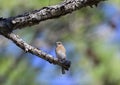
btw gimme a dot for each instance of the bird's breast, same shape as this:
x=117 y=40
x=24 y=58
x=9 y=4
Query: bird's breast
x=61 y=54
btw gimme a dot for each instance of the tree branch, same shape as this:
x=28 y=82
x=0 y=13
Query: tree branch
x=7 y=25
x=35 y=51
x=51 y=12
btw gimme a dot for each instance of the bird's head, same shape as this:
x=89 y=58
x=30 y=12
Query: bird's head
x=58 y=43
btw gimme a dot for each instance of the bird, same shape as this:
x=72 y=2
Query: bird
x=60 y=53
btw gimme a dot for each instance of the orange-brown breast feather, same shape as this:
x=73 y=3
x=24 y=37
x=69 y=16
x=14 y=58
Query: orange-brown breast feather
x=61 y=48
x=60 y=52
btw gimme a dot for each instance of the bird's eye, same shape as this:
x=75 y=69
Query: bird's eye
x=59 y=43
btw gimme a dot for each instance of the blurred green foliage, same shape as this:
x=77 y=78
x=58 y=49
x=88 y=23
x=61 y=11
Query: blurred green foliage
x=95 y=60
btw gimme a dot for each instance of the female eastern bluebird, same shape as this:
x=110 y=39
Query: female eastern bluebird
x=61 y=53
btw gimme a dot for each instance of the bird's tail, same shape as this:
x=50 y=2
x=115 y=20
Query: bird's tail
x=63 y=70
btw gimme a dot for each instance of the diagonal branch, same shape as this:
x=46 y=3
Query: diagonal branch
x=50 y=12
x=35 y=51
x=7 y=25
